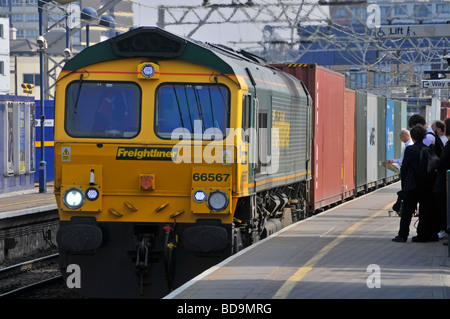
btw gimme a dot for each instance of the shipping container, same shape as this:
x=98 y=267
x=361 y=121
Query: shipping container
x=391 y=137
x=445 y=110
x=372 y=141
x=327 y=89
x=400 y=118
x=398 y=126
x=349 y=143
x=381 y=139
x=361 y=141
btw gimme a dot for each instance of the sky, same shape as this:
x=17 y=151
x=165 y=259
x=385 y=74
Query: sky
x=244 y=34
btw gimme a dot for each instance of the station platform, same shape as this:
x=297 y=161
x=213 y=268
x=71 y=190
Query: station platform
x=24 y=202
x=346 y=252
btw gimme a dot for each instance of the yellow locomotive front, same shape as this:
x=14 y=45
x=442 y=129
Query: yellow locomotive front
x=161 y=160
x=141 y=156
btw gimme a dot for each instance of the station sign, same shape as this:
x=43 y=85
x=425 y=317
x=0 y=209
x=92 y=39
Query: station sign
x=413 y=31
x=436 y=84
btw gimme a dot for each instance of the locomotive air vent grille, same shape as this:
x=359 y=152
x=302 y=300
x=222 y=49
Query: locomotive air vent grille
x=148 y=42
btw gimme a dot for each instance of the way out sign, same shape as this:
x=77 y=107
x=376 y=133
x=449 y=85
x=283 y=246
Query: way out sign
x=436 y=84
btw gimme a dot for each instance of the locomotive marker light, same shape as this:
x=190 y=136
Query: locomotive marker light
x=199 y=196
x=73 y=198
x=148 y=70
x=92 y=193
x=217 y=200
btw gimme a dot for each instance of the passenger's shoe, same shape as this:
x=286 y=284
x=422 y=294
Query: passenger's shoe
x=399 y=239
x=417 y=239
x=442 y=234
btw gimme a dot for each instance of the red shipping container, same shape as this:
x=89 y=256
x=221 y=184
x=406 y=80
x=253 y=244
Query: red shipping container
x=326 y=88
x=445 y=110
x=349 y=142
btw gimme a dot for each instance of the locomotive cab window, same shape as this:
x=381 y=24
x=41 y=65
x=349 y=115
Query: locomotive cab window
x=200 y=111
x=103 y=109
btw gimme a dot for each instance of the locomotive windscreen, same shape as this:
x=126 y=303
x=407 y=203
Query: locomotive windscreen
x=103 y=109
x=199 y=110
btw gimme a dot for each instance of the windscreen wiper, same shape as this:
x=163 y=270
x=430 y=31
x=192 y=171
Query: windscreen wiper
x=77 y=99
x=178 y=104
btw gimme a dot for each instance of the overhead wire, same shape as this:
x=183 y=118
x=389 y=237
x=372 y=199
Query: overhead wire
x=291 y=15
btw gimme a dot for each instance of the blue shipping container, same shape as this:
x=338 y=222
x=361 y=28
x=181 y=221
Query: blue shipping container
x=390 y=129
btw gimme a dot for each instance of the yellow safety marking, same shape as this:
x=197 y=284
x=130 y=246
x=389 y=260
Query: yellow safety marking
x=46 y=143
x=297 y=65
x=26 y=202
x=287 y=287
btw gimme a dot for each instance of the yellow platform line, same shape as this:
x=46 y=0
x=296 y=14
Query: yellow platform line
x=26 y=202
x=287 y=287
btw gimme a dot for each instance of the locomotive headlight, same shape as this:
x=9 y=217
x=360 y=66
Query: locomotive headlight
x=199 y=196
x=217 y=200
x=73 y=198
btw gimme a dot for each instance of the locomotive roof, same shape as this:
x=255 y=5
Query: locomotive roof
x=156 y=43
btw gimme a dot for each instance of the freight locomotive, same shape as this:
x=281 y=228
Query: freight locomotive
x=171 y=155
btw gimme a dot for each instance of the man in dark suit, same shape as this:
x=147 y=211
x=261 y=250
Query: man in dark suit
x=416 y=190
x=440 y=186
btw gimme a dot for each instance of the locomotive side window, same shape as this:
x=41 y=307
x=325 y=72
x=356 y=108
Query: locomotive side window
x=246 y=116
x=200 y=110
x=103 y=109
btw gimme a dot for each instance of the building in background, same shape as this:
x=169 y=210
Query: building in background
x=23 y=19
x=391 y=66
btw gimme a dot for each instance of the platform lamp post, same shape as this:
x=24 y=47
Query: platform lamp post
x=42 y=46
x=88 y=14
x=107 y=21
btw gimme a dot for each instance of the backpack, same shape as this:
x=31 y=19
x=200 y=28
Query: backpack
x=428 y=162
x=438 y=146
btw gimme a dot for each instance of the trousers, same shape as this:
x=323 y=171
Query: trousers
x=424 y=199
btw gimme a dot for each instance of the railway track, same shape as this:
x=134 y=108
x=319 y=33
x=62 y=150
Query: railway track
x=30 y=275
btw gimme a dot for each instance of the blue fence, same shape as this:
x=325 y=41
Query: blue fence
x=17 y=143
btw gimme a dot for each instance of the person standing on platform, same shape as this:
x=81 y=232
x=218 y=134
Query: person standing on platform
x=416 y=190
x=440 y=186
x=428 y=225
x=405 y=137
x=438 y=128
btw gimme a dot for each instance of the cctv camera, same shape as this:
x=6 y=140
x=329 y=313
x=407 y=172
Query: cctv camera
x=67 y=53
x=447 y=57
x=42 y=42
